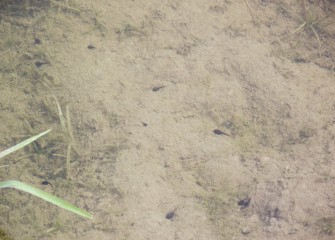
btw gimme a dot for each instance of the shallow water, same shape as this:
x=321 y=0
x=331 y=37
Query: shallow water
x=136 y=94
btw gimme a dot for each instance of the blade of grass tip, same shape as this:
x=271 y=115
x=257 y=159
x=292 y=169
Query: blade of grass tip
x=22 y=144
x=45 y=196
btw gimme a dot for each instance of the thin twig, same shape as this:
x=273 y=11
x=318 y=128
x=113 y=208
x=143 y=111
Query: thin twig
x=250 y=11
x=68 y=122
x=68 y=162
x=60 y=114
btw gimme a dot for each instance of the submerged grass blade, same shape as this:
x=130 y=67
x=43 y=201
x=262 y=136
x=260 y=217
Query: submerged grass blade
x=68 y=162
x=60 y=114
x=300 y=27
x=45 y=196
x=317 y=35
x=22 y=144
x=35 y=191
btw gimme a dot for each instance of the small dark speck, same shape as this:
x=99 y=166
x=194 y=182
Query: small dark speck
x=37 y=41
x=299 y=60
x=170 y=214
x=156 y=89
x=219 y=132
x=144 y=124
x=90 y=46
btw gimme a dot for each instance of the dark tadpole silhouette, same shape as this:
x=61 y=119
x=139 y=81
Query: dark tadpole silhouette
x=46 y=183
x=170 y=215
x=245 y=202
x=219 y=132
x=40 y=64
x=37 y=41
x=156 y=89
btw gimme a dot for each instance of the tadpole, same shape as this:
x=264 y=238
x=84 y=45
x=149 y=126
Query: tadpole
x=40 y=64
x=37 y=41
x=156 y=89
x=219 y=132
x=170 y=214
x=46 y=183
x=243 y=203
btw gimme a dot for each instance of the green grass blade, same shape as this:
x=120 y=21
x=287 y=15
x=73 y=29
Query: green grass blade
x=22 y=144
x=45 y=196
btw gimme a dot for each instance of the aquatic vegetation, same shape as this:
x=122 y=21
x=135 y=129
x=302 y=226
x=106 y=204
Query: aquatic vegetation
x=35 y=191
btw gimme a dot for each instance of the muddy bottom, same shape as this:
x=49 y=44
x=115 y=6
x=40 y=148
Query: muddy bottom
x=171 y=120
